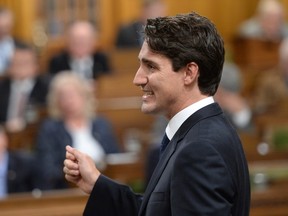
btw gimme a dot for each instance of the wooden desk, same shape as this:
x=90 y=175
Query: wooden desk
x=270 y=202
x=54 y=203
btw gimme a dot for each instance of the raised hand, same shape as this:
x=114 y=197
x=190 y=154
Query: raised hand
x=80 y=169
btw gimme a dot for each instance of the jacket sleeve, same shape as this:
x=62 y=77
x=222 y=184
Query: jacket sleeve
x=201 y=183
x=109 y=198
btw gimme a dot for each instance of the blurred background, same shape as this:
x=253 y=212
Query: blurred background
x=66 y=71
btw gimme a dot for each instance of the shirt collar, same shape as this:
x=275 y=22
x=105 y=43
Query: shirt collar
x=25 y=85
x=176 y=122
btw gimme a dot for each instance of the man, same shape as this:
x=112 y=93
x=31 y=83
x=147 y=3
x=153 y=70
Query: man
x=228 y=95
x=22 y=88
x=80 y=55
x=271 y=88
x=202 y=170
x=7 y=43
x=268 y=23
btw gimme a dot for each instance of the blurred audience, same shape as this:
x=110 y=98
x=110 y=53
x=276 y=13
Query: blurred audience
x=153 y=154
x=23 y=91
x=271 y=87
x=131 y=35
x=230 y=99
x=74 y=122
x=7 y=42
x=81 y=55
x=16 y=169
x=268 y=23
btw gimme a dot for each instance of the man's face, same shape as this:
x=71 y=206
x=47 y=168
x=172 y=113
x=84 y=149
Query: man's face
x=81 y=42
x=6 y=23
x=163 y=88
x=23 y=65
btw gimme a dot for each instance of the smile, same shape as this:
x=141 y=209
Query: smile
x=147 y=94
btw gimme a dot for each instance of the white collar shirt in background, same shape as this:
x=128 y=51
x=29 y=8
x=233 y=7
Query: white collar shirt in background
x=20 y=92
x=84 y=141
x=83 y=67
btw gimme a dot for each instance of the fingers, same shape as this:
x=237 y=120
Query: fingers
x=71 y=172
x=72 y=179
x=70 y=153
x=70 y=156
x=73 y=154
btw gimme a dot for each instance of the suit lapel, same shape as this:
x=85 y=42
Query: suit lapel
x=208 y=111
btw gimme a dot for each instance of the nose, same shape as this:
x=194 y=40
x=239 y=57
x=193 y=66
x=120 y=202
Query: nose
x=140 y=78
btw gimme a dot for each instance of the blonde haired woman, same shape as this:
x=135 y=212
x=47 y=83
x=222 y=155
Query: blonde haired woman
x=71 y=105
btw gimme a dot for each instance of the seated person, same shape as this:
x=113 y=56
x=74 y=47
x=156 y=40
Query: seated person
x=73 y=121
x=230 y=99
x=271 y=87
x=22 y=88
x=267 y=24
x=16 y=169
x=7 y=42
x=130 y=35
x=80 y=55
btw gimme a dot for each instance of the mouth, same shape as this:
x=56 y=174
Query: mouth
x=147 y=94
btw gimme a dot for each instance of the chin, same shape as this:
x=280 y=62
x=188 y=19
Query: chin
x=148 y=109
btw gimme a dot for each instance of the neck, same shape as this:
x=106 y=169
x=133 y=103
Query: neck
x=76 y=121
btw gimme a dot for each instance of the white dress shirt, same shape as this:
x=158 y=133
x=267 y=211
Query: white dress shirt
x=20 y=92
x=86 y=143
x=177 y=120
x=83 y=67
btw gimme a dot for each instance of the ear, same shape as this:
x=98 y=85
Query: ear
x=191 y=73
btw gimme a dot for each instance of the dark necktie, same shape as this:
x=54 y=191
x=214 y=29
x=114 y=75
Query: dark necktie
x=164 y=144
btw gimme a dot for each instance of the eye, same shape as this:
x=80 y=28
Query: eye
x=151 y=67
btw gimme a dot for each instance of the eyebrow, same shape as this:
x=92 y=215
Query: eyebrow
x=147 y=61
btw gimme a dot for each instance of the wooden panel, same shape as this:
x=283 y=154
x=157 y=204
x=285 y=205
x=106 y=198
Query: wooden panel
x=54 y=203
x=270 y=202
x=256 y=54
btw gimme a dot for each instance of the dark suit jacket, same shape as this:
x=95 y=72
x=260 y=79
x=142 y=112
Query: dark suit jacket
x=61 y=62
x=50 y=149
x=37 y=95
x=21 y=172
x=203 y=171
x=129 y=36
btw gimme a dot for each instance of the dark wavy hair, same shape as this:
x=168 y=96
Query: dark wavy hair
x=189 y=38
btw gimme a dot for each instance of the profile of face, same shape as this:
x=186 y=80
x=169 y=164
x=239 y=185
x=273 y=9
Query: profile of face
x=23 y=65
x=71 y=100
x=81 y=40
x=6 y=23
x=162 y=87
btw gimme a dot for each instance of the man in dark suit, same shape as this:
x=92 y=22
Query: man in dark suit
x=202 y=168
x=16 y=169
x=80 y=55
x=21 y=88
